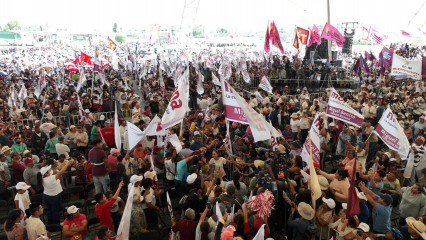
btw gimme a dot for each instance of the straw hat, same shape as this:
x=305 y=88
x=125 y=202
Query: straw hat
x=417 y=226
x=5 y=149
x=323 y=182
x=305 y=210
x=294 y=115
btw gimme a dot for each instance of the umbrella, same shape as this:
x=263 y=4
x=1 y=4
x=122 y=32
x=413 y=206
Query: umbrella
x=73 y=69
x=2 y=73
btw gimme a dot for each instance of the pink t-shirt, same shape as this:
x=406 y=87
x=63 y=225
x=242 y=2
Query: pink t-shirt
x=76 y=223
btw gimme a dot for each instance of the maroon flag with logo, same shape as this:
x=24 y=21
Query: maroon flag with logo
x=353 y=200
x=424 y=67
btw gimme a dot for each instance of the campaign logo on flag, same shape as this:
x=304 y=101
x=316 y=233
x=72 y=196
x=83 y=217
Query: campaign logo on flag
x=331 y=33
x=265 y=85
x=312 y=143
x=111 y=44
x=303 y=35
x=233 y=111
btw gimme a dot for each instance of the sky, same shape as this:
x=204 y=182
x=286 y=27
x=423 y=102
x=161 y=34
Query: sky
x=235 y=15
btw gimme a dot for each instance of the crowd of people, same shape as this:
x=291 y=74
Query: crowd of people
x=219 y=191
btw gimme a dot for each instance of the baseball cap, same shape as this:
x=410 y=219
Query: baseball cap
x=22 y=186
x=72 y=209
x=330 y=202
x=44 y=170
x=364 y=227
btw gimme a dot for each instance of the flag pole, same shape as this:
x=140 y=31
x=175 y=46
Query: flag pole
x=311 y=159
x=328 y=20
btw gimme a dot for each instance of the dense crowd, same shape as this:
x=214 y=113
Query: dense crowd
x=219 y=192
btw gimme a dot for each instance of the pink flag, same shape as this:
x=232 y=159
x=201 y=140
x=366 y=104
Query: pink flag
x=376 y=37
x=266 y=46
x=331 y=33
x=405 y=34
x=233 y=110
x=340 y=110
x=315 y=36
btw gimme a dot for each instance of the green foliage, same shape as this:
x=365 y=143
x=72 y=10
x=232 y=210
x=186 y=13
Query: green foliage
x=12 y=26
x=198 y=31
x=120 y=39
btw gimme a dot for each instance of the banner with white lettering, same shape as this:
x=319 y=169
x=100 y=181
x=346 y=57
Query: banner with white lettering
x=178 y=105
x=405 y=68
x=338 y=109
x=391 y=133
x=233 y=111
x=265 y=85
x=259 y=129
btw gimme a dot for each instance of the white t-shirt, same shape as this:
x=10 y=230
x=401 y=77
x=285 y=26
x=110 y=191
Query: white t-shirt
x=170 y=168
x=35 y=227
x=52 y=186
x=24 y=198
x=295 y=124
x=62 y=149
x=150 y=198
x=218 y=163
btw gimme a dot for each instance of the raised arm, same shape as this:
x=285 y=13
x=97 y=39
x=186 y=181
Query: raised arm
x=64 y=168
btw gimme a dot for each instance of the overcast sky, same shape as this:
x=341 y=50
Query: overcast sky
x=235 y=15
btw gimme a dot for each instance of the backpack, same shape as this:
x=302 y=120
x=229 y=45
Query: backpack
x=311 y=231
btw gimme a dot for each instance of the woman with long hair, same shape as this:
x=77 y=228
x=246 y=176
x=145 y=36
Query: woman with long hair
x=13 y=227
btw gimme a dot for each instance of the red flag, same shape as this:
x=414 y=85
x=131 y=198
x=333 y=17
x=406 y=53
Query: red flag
x=353 y=200
x=303 y=35
x=76 y=61
x=84 y=58
x=275 y=37
x=266 y=46
x=296 y=40
x=111 y=44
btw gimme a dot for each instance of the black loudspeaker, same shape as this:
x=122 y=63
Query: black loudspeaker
x=321 y=51
x=347 y=45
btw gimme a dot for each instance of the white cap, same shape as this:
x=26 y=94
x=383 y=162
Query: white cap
x=392 y=160
x=191 y=178
x=25 y=152
x=197 y=133
x=72 y=209
x=135 y=178
x=102 y=117
x=86 y=110
x=330 y=202
x=44 y=170
x=344 y=205
x=22 y=186
x=332 y=124
x=364 y=227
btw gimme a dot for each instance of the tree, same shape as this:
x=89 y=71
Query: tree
x=120 y=39
x=198 y=31
x=114 y=28
x=12 y=26
x=222 y=31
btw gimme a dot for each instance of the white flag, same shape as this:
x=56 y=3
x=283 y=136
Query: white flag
x=313 y=140
x=200 y=87
x=337 y=108
x=151 y=129
x=231 y=215
x=23 y=94
x=207 y=114
x=215 y=80
x=81 y=81
x=40 y=85
x=124 y=227
x=409 y=167
x=259 y=97
x=391 y=133
x=134 y=135
x=178 y=105
x=117 y=135
x=244 y=73
x=265 y=85
x=218 y=212
x=174 y=140
x=233 y=110
x=259 y=130
x=260 y=235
